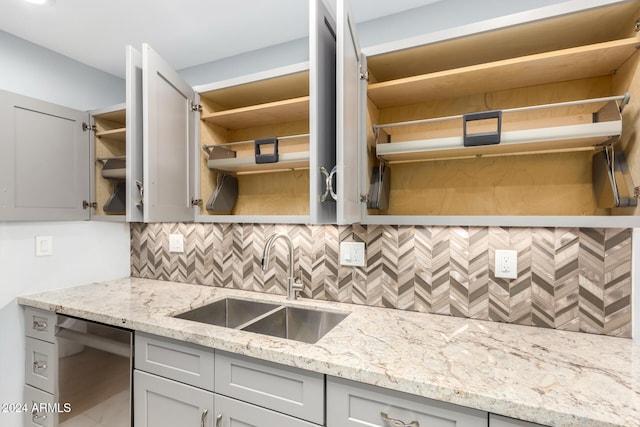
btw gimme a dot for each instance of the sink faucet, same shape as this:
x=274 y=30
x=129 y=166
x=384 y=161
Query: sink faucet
x=294 y=285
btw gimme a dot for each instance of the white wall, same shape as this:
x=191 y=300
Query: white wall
x=83 y=252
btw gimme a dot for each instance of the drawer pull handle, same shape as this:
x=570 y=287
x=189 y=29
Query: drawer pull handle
x=36 y=416
x=39 y=326
x=203 y=418
x=397 y=423
x=39 y=365
x=219 y=421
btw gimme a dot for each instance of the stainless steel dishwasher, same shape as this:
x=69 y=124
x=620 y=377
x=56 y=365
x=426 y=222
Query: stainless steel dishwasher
x=94 y=373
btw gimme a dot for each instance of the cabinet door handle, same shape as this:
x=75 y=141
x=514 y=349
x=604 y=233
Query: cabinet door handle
x=397 y=423
x=37 y=416
x=39 y=326
x=219 y=420
x=203 y=418
x=325 y=174
x=329 y=192
x=39 y=365
x=332 y=191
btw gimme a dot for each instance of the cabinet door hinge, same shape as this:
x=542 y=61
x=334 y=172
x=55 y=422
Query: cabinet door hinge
x=196 y=202
x=195 y=107
x=364 y=198
x=87 y=205
x=364 y=76
x=87 y=127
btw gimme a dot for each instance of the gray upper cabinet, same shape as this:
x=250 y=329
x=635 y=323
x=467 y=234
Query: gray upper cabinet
x=351 y=112
x=254 y=148
x=267 y=140
x=44 y=160
x=134 y=165
x=168 y=134
x=464 y=129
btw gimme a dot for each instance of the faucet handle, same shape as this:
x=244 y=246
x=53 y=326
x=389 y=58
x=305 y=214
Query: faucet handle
x=296 y=287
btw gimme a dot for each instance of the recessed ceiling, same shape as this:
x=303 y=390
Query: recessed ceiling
x=184 y=32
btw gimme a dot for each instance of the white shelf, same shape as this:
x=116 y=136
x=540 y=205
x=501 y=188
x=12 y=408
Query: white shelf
x=558 y=138
x=286 y=161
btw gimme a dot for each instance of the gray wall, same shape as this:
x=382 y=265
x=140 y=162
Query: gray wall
x=441 y=15
x=32 y=70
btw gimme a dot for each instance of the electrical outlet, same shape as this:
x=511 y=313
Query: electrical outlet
x=352 y=253
x=506 y=264
x=44 y=245
x=176 y=243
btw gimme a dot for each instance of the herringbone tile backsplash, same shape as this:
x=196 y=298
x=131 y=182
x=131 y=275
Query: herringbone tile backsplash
x=576 y=279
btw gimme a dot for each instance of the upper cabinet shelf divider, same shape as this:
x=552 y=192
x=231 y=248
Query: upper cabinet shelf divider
x=567 y=64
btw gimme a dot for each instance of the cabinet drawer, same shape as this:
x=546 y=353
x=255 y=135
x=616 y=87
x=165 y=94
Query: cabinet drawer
x=178 y=360
x=292 y=391
x=354 y=404
x=500 y=421
x=41 y=365
x=159 y=402
x=33 y=398
x=234 y=412
x=40 y=324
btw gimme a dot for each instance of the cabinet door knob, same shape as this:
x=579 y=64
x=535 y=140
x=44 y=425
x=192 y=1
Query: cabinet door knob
x=397 y=423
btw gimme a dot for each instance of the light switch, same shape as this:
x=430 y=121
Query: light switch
x=506 y=264
x=352 y=253
x=44 y=245
x=176 y=243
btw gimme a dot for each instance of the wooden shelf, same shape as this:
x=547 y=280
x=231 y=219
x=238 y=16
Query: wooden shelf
x=294 y=160
x=113 y=134
x=562 y=65
x=288 y=110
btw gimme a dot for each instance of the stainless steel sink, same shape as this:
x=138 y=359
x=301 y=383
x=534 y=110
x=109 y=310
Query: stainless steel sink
x=229 y=312
x=296 y=323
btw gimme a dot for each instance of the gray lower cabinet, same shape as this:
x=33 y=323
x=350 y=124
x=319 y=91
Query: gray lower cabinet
x=285 y=389
x=500 y=421
x=174 y=386
x=177 y=360
x=41 y=368
x=35 y=399
x=352 y=404
x=161 y=402
x=232 y=413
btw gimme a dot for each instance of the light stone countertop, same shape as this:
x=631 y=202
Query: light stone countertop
x=545 y=376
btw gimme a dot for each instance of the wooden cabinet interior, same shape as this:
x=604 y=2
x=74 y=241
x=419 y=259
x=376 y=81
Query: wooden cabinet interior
x=572 y=57
x=110 y=144
x=233 y=118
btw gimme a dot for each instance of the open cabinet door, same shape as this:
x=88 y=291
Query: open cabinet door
x=134 y=135
x=168 y=123
x=351 y=115
x=44 y=161
x=322 y=111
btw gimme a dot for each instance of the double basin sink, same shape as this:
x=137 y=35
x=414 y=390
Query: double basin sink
x=295 y=323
